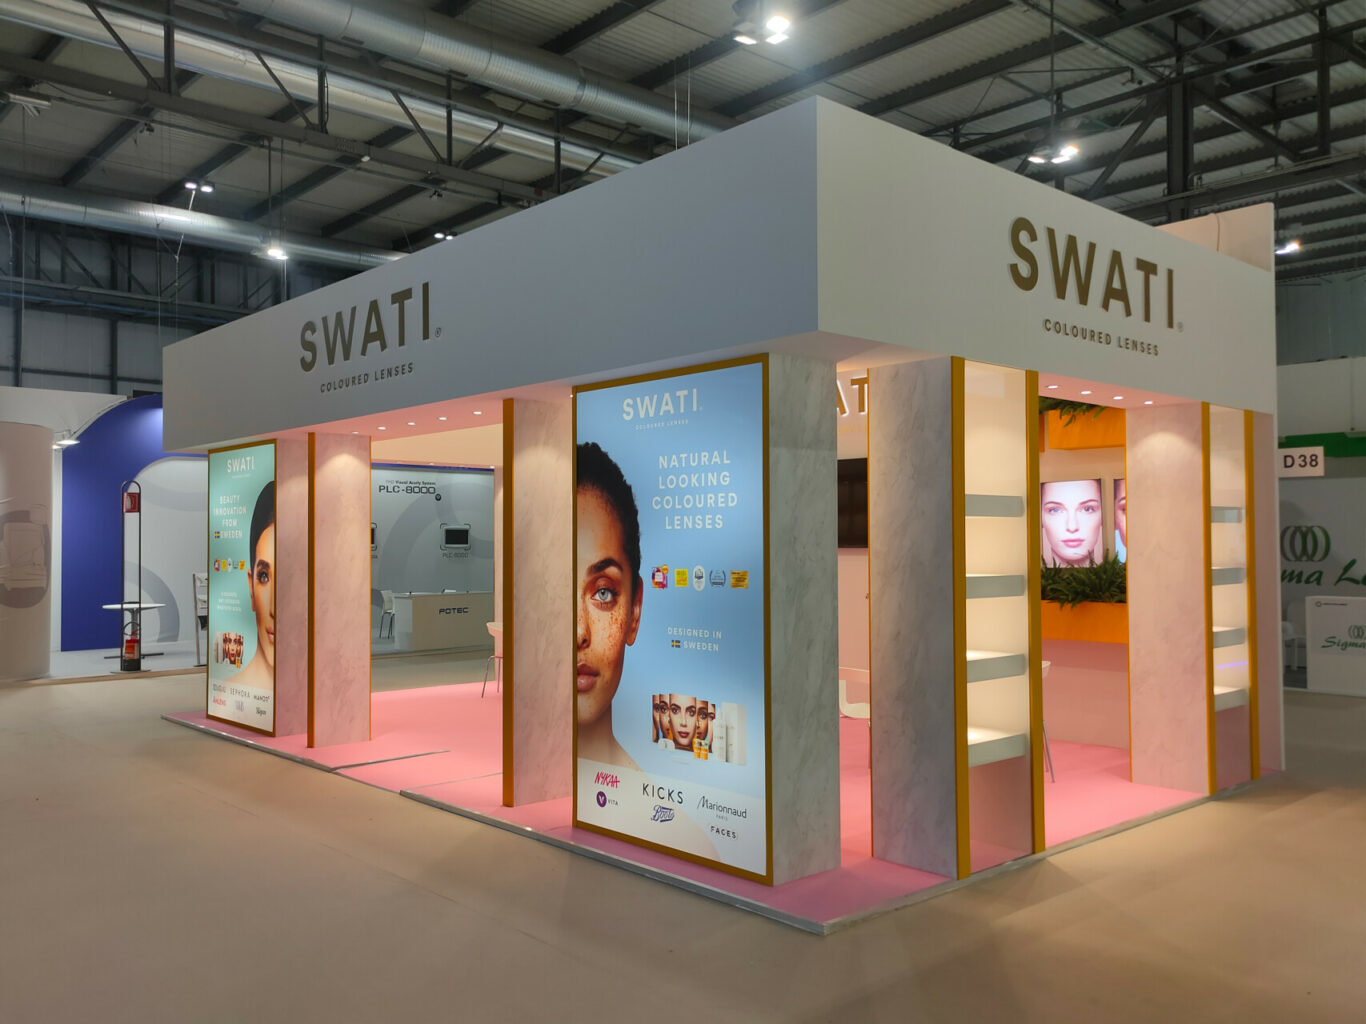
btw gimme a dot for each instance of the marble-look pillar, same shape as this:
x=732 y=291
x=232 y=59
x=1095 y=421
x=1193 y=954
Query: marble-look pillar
x=26 y=551
x=538 y=635
x=291 y=586
x=911 y=614
x=1270 y=663
x=339 y=709
x=803 y=577
x=1168 y=709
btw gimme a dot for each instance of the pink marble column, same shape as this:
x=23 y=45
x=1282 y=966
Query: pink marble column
x=1269 y=660
x=291 y=586
x=340 y=705
x=1166 y=559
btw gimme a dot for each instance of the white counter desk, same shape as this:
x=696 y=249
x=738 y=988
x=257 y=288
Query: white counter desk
x=435 y=622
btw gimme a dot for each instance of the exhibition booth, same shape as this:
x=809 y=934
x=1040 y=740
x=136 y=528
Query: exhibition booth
x=790 y=482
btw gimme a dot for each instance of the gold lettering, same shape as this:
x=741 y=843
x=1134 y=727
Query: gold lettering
x=1118 y=291
x=1023 y=281
x=1148 y=269
x=1062 y=272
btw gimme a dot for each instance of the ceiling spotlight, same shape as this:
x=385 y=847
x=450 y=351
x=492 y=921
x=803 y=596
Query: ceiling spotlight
x=1086 y=392
x=1065 y=153
x=479 y=412
x=1054 y=154
x=1037 y=158
x=1119 y=398
x=381 y=428
x=411 y=423
x=1052 y=387
x=440 y=235
x=193 y=186
x=276 y=251
x=442 y=418
x=365 y=158
x=1288 y=248
x=355 y=431
x=744 y=39
x=1147 y=401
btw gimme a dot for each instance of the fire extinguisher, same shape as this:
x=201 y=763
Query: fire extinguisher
x=131 y=660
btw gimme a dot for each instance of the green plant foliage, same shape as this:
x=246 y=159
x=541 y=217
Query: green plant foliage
x=1069 y=410
x=1105 y=582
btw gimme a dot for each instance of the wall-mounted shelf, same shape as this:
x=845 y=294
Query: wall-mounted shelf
x=997 y=506
x=982 y=584
x=1226 y=697
x=1223 y=575
x=984 y=665
x=986 y=746
x=1225 y=514
x=1228 y=636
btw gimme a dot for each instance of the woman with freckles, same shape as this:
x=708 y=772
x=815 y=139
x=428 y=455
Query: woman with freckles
x=260 y=671
x=607 y=579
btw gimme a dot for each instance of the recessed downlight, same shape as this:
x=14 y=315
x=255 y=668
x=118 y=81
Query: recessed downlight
x=1086 y=392
x=442 y=418
x=1052 y=387
x=381 y=428
x=1118 y=398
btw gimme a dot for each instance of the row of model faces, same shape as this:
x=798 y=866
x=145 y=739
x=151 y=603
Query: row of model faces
x=1072 y=516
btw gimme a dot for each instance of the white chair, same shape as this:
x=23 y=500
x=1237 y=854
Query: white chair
x=1292 y=640
x=496 y=631
x=388 y=597
x=848 y=708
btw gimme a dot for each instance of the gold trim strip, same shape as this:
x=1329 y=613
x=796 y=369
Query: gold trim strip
x=1211 y=752
x=1254 y=711
x=1033 y=544
x=960 y=624
x=509 y=761
x=312 y=564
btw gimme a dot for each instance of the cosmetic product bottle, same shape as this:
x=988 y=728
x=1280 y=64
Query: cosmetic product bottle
x=718 y=739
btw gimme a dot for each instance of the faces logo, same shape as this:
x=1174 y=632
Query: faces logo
x=659 y=576
x=602 y=799
x=663 y=813
x=607 y=779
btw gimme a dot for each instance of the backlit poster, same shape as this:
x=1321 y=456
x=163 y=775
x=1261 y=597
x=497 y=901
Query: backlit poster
x=670 y=672
x=1070 y=513
x=241 y=674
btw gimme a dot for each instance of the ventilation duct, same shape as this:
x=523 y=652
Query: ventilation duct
x=235 y=63
x=410 y=33
x=67 y=206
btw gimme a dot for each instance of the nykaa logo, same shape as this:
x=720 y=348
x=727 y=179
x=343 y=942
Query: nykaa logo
x=673 y=796
x=661 y=403
x=1077 y=275
x=339 y=329
x=607 y=779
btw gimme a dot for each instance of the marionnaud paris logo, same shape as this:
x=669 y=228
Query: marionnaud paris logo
x=1305 y=543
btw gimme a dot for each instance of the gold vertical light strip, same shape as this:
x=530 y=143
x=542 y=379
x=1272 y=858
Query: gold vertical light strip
x=312 y=565
x=507 y=611
x=1128 y=618
x=1254 y=712
x=574 y=598
x=960 y=624
x=1208 y=576
x=768 y=633
x=867 y=596
x=370 y=497
x=1033 y=527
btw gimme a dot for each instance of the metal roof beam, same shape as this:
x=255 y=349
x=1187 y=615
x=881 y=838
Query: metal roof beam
x=471 y=182
x=47 y=49
x=208 y=168
x=1252 y=185
x=1299 y=270
x=590 y=28
x=116 y=137
x=322 y=175
x=895 y=42
x=373 y=209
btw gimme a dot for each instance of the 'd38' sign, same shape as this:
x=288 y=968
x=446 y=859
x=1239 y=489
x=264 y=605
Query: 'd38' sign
x=1305 y=543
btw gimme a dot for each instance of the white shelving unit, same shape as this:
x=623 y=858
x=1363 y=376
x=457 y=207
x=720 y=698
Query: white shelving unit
x=1229 y=675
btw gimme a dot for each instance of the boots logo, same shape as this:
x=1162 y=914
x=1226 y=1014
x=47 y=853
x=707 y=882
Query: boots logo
x=1305 y=544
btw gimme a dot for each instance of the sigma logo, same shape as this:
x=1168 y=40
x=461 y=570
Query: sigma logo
x=661 y=403
x=1074 y=272
x=381 y=325
x=1305 y=543
x=1356 y=632
x=607 y=779
x=663 y=813
x=654 y=792
x=454 y=611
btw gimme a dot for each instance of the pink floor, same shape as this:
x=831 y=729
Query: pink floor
x=443 y=745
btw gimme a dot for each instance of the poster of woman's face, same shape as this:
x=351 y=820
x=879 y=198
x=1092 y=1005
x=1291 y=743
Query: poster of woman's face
x=1070 y=511
x=1121 y=520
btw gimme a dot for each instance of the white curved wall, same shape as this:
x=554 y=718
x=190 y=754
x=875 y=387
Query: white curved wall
x=25 y=550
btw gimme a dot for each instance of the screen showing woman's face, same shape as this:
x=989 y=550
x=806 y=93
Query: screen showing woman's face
x=1071 y=522
x=263 y=593
x=609 y=605
x=1122 y=511
x=683 y=719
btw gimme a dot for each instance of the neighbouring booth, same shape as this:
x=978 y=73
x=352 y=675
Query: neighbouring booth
x=849 y=517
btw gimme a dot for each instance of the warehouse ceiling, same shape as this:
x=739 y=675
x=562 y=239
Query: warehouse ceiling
x=368 y=127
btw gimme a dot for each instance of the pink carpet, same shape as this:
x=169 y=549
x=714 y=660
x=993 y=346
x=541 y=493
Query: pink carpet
x=444 y=745
x=1093 y=792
